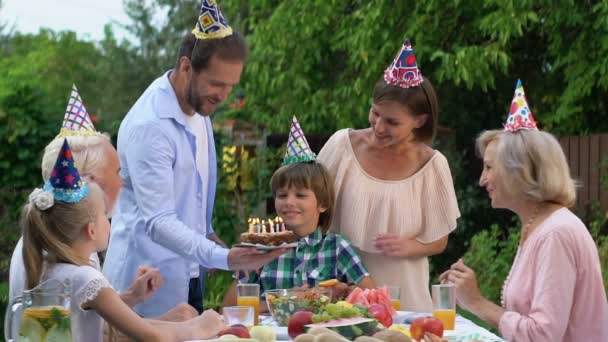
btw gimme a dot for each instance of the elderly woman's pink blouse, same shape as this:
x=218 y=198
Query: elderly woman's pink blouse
x=555 y=292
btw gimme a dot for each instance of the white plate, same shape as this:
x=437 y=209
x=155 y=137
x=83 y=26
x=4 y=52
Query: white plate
x=265 y=247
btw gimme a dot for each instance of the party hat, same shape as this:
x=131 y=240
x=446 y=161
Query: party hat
x=65 y=182
x=211 y=22
x=404 y=72
x=76 y=121
x=520 y=116
x=298 y=150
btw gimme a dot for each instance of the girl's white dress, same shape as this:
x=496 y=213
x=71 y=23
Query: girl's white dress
x=86 y=282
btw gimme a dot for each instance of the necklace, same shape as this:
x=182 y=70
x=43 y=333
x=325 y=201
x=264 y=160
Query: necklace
x=525 y=231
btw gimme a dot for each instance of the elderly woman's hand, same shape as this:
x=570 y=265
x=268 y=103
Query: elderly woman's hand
x=394 y=245
x=467 y=291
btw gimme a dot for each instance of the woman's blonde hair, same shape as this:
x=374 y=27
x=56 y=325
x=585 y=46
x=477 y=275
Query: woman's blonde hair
x=311 y=176
x=533 y=163
x=89 y=153
x=48 y=234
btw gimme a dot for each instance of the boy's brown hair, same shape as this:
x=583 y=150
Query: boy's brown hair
x=311 y=176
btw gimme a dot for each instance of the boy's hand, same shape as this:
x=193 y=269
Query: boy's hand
x=249 y=258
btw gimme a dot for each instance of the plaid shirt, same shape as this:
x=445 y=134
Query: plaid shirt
x=317 y=258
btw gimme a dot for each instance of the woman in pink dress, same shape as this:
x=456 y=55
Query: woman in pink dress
x=554 y=291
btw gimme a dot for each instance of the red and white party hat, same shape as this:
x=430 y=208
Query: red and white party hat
x=520 y=115
x=404 y=72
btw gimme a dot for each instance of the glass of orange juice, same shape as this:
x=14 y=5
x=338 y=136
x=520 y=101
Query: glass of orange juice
x=249 y=295
x=394 y=293
x=444 y=304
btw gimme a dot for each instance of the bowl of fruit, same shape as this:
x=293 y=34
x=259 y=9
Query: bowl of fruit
x=282 y=303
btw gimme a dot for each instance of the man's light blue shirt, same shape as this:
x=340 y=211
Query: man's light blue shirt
x=158 y=221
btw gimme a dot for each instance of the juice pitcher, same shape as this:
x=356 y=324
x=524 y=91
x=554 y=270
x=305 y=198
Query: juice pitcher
x=40 y=314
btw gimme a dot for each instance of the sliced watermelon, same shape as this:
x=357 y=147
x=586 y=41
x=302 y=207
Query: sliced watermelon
x=370 y=297
x=353 y=295
x=350 y=328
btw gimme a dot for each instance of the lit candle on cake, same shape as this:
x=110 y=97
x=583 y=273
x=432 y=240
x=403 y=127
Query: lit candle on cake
x=282 y=224
x=251 y=225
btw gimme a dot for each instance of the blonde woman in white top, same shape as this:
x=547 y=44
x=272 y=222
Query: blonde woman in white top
x=395 y=197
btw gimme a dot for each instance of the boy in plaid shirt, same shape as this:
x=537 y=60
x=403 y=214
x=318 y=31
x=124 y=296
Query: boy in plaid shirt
x=304 y=199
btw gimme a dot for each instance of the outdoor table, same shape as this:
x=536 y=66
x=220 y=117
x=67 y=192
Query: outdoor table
x=465 y=330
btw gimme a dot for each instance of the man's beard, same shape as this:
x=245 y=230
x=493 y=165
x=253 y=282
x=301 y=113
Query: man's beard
x=194 y=101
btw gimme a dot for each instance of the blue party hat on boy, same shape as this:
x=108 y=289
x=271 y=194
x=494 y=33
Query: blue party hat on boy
x=520 y=115
x=76 y=121
x=65 y=182
x=404 y=72
x=298 y=150
x=211 y=23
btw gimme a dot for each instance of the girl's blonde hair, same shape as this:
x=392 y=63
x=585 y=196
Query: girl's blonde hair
x=533 y=163
x=48 y=234
x=311 y=176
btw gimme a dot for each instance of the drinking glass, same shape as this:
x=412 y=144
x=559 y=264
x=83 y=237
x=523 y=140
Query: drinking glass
x=249 y=295
x=444 y=304
x=239 y=315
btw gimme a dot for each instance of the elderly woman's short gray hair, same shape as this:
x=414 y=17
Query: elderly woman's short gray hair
x=88 y=153
x=533 y=163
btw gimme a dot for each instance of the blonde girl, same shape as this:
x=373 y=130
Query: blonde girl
x=63 y=224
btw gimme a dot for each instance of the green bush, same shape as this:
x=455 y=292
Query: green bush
x=491 y=255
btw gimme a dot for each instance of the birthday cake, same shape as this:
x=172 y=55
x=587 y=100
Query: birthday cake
x=268 y=233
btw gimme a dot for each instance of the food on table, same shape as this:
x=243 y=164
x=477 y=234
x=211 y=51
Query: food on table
x=268 y=232
x=382 y=313
x=329 y=283
x=320 y=335
x=426 y=324
x=325 y=334
x=263 y=333
x=297 y=323
x=284 y=303
x=350 y=328
x=237 y=330
x=339 y=290
x=391 y=335
x=369 y=297
x=335 y=311
x=401 y=329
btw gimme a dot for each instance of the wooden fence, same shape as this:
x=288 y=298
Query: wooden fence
x=588 y=159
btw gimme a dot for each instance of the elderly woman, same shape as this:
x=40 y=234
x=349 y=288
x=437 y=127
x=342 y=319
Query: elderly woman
x=554 y=291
